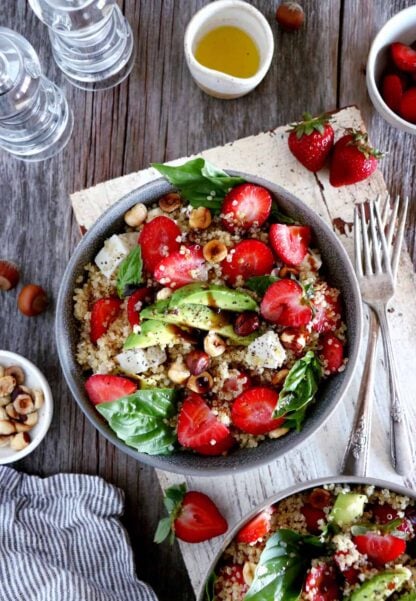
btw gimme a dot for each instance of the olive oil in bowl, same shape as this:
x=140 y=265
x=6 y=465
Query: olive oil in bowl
x=229 y=50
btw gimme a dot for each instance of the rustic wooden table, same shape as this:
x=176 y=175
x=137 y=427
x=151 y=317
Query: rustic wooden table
x=156 y=115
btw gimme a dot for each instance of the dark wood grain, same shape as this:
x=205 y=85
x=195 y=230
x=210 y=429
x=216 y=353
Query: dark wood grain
x=159 y=114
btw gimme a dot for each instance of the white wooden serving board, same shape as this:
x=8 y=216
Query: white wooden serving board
x=267 y=155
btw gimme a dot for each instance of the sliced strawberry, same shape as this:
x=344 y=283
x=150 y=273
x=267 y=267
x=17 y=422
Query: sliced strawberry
x=381 y=549
x=104 y=311
x=135 y=303
x=104 y=388
x=200 y=430
x=313 y=516
x=383 y=513
x=350 y=574
x=256 y=529
x=321 y=583
x=392 y=91
x=245 y=206
x=327 y=308
x=182 y=267
x=332 y=353
x=198 y=519
x=252 y=411
x=404 y=57
x=407 y=106
x=247 y=259
x=284 y=304
x=290 y=242
x=158 y=239
x=238 y=382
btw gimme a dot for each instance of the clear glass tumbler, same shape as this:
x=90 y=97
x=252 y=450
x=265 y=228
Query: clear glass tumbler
x=92 y=42
x=35 y=120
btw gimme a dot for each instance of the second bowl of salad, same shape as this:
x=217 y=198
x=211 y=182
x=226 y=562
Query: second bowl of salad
x=208 y=323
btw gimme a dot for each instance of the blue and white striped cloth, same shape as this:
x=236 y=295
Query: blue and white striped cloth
x=61 y=540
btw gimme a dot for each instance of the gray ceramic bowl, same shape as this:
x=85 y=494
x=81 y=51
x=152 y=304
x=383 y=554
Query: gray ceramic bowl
x=293 y=490
x=339 y=271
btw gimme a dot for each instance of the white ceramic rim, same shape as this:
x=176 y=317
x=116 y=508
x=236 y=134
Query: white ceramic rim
x=264 y=67
x=373 y=91
x=48 y=406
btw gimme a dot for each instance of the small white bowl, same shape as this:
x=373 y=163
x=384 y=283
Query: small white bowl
x=400 y=28
x=33 y=379
x=228 y=13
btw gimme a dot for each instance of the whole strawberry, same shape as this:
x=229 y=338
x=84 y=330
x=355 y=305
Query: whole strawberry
x=311 y=141
x=353 y=159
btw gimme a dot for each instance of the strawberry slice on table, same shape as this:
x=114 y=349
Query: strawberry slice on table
x=380 y=548
x=182 y=267
x=353 y=159
x=245 y=206
x=327 y=308
x=158 y=239
x=404 y=57
x=311 y=140
x=104 y=311
x=257 y=528
x=135 y=303
x=407 y=106
x=392 y=90
x=290 y=242
x=193 y=516
x=248 y=258
x=103 y=388
x=332 y=353
x=200 y=429
x=252 y=411
x=284 y=304
x=321 y=583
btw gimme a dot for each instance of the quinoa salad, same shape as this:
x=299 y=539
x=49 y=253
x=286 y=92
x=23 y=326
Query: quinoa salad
x=331 y=543
x=208 y=324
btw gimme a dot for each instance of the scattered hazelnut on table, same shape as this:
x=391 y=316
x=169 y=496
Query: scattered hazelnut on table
x=290 y=16
x=32 y=300
x=9 y=275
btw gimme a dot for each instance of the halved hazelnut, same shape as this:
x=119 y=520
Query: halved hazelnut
x=214 y=251
x=7 y=385
x=22 y=427
x=178 y=373
x=3 y=413
x=286 y=271
x=249 y=569
x=6 y=427
x=2 y=370
x=200 y=218
x=278 y=432
x=17 y=372
x=214 y=345
x=279 y=377
x=4 y=400
x=136 y=215
x=38 y=398
x=200 y=384
x=5 y=440
x=170 y=202
x=24 y=404
x=11 y=412
x=20 y=441
x=31 y=419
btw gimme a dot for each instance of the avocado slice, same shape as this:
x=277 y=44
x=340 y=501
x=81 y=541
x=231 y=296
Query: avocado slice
x=212 y=295
x=347 y=508
x=193 y=316
x=153 y=333
x=382 y=585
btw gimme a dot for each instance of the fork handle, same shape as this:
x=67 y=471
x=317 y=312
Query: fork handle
x=401 y=448
x=355 y=460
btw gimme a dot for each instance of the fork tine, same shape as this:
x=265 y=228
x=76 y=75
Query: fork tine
x=395 y=258
x=367 y=257
x=392 y=222
x=384 y=248
x=357 y=243
x=375 y=237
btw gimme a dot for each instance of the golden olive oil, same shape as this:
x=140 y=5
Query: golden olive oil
x=229 y=50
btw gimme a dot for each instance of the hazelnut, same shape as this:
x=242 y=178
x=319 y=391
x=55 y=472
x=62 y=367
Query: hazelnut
x=4 y=400
x=2 y=371
x=178 y=373
x=200 y=218
x=17 y=372
x=164 y=293
x=319 y=498
x=5 y=440
x=9 y=275
x=136 y=215
x=31 y=419
x=249 y=569
x=3 y=413
x=7 y=384
x=197 y=362
x=6 y=427
x=11 y=412
x=290 y=16
x=20 y=441
x=23 y=404
x=278 y=432
x=170 y=202
x=214 y=251
x=246 y=323
x=214 y=345
x=279 y=377
x=32 y=300
x=38 y=398
x=201 y=383
x=286 y=271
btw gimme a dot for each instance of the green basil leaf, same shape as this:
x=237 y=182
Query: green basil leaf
x=210 y=587
x=276 y=216
x=299 y=390
x=282 y=566
x=140 y=419
x=200 y=182
x=163 y=530
x=260 y=283
x=174 y=496
x=388 y=528
x=130 y=271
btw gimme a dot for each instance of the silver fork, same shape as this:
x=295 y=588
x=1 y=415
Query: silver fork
x=376 y=272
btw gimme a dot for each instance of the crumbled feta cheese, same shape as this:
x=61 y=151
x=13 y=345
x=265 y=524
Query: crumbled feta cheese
x=265 y=351
x=115 y=249
x=136 y=361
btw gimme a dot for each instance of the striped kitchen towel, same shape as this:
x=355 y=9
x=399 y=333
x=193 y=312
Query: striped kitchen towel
x=61 y=540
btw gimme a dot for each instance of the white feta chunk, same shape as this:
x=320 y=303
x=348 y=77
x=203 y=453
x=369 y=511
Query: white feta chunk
x=115 y=249
x=137 y=361
x=265 y=351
